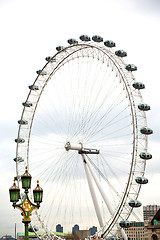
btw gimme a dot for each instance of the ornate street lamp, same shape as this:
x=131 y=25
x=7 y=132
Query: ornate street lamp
x=26 y=206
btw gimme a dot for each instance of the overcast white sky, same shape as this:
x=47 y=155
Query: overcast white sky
x=30 y=30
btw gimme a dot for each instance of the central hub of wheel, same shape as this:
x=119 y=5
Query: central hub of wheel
x=81 y=150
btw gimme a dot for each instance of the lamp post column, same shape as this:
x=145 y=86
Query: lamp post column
x=26 y=230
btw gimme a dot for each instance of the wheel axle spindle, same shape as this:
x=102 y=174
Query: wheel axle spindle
x=80 y=149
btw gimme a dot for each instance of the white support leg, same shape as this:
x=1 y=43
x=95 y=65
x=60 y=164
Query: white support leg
x=94 y=198
x=104 y=196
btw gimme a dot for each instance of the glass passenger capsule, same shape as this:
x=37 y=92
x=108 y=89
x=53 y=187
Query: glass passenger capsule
x=19 y=140
x=17 y=178
x=22 y=122
x=59 y=48
x=97 y=38
x=32 y=229
x=138 y=85
x=144 y=107
x=134 y=203
x=109 y=43
x=145 y=155
x=125 y=224
x=41 y=72
x=145 y=130
x=33 y=87
x=18 y=159
x=72 y=41
x=27 y=104
x=141 y=180
x=113 y=238
x=85 y=38
x=131 y=67
x=121 y=53
x=50 y=59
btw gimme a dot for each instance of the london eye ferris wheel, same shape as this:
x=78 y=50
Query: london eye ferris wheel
x=83 y=133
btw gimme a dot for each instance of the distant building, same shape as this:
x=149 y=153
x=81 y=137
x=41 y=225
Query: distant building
x=93 y=230
x=59 y=228
x=149 y=211
x=136 y=231
x=75 y=228
x=81 y=234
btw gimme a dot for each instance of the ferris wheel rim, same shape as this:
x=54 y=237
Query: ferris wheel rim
x=100 y=48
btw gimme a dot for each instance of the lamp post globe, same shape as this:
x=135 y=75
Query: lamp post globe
x=26 y=180
x=38 y=194
x=14 y=193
